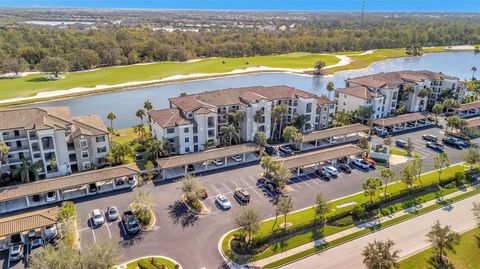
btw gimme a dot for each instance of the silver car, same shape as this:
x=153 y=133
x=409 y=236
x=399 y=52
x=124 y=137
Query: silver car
x=112 y=213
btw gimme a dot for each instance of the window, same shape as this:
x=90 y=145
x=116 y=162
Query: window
x=187 y=149
x=187 y=139
x=84 y=154
x=369 y=101
x=195 y=129
x=189 y=115
x=171 y=140
x=86 y=165
x=186 y=130
x=295 y=102
x=309 y=107
x=170 y=130
x=308 y=118
x=195 y=139
x=211 y=133
x=36 y=155
x=102 y=149
x=325 y=109
x=100 y=139
x=83 y=143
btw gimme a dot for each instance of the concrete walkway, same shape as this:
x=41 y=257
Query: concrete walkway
x=263 y=262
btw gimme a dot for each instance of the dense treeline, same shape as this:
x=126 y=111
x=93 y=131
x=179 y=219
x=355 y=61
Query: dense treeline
x=26 y=48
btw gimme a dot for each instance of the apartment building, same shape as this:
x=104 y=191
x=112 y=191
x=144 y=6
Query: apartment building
x=193 y=122
x=50 y=136
x=416 y=90
x=325 y=113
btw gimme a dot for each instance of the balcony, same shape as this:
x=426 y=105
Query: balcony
x=33 y=136
x=22 y=148
x=14 y=137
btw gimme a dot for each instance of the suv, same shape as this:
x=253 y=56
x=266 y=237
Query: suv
x=286 y=150
x=323 y=175
x=242 y=195
x=130 y=223
x=16 y=252
x=435 y=146
x=401 y=143
x=345 y=168
x=430 y=137
x=453 y=142
x=271 y=150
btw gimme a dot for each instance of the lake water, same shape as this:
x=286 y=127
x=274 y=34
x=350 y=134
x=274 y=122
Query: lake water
x=125 y=103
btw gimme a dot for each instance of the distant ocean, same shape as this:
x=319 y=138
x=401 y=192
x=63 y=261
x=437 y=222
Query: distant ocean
x=284 y=5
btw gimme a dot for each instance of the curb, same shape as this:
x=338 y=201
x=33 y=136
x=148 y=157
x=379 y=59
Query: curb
x=124 y=265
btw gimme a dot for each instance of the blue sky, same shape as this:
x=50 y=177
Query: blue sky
x=315 y=5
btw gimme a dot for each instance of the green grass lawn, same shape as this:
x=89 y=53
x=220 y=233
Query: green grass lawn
x=33 y=84
x=168 y=263
x=396 y=151
x=124 y=135
x=466 y=256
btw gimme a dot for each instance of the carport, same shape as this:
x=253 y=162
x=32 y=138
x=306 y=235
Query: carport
x=176 y=166
x=403 y=122
x=65 y=188
x=468 y=110
x=14 y=229
x=333 y=136
x=474 y=122
x=315 y=158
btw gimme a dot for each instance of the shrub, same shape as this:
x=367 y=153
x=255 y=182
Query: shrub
x=345 y=221
x=145 y=264
x=144 y=216
x=460 y=178
x=157 y=264
x=195 y=203
x=450 y=185
x=67 y=211
x=359 y=212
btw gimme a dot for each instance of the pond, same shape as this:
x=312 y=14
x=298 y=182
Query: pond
x=125 y=103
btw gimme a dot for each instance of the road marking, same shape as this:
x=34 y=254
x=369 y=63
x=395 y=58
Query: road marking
x=305 y=181
x=235 y=183
x=255 y=191
x=296 y=185
x=91 y=226
x=244 y=181
x=109 y=233
x=218 y=192
x=265 y=189
x=312 y=178
x=228 y=189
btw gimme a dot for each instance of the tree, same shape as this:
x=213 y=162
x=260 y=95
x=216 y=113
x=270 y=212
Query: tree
x=362 y=143
x=111 y=117
x=441 y=161
x=118 y=153
x=140 y=130
x=450 y=104
x=388 y=140
x=190 y=188
x=258 y=117
x=24 y=170
x=408 y=175
x=140 y=114
x=269 y=164
x=443 y=239
x=319 y=65
x=472 y=157
x=248 y=220
x=147 y=105
x=143 y=199
x=236 y=117
x=53 y=65
x=281 y=176
x=417 y=164
x=321 y=207
x=473 y=69
x=330 y=89
x=387 y=174
x=278 y=113
x=261 y=139
x=102 y=255
x=409 y=148
x=284 y=206
x=437 y=109
x=343 y=118
x=154 y=148
x=370 y=187
x=11 y=65
x=364 y=113
x=379 y=255
x=61 y=256
x=4 y=149
x=476 y=212
x=291 y=133
x=230 y=135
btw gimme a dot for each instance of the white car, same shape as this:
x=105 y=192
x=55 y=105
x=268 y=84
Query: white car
x=97 y=217
x=16 y=253
x=237 y=158
x=51 y=196
x=331 y=170
x=112 y=212
x=218 y=162
x=223 y=201
x=361 y=163
x=50 y=232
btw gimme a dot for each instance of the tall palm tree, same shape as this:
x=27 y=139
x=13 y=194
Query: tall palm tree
x=111 y=117
x=386 y=174
x=140 y=114
x=154 y=148
x=258 y=117
x=147 y=105
x=25 y=169
x=278 y=113
x=140 y=130
x=330 y=88
x=473 y=69
x=230 y=134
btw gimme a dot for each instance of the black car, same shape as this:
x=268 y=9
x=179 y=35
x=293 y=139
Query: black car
x=286 y=150
x=130 y=222
x=453 y=142
x=344 y=168
x=323 y=175
x=430 y=137
x=190 y=168
x=435 y=146
x=269 y=186
x=401 y=143
x=271 y=150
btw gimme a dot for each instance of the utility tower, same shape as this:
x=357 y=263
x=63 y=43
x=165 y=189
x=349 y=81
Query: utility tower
x=363 y=12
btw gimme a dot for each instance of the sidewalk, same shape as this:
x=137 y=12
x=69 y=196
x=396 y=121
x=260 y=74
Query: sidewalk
x=263 y=262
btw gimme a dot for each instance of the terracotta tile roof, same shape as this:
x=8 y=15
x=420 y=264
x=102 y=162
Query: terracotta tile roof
x=323 y=101
x=35 y=118
x=236 y=96
x=212 y=154
x=331 y=132
x=71 y=181
x=169 y=117
x=403 y=118
x=320 y=156
x=91 y=125
x=396 y=78
x=359 y=92
x=204 y=110
x=474 y=122
x=468 y=106
x=28 y=221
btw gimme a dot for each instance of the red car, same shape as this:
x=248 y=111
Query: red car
x=203 y=194
x=371 y=161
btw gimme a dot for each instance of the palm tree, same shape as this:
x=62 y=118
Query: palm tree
x=386 y=174
x=111 y=117
x=437 y=109
x=4 y=149
x=147 y=105
x=284 y=206
x=319 y=65
x=258 y=117
x=25 y=169
x=443 y=239
x=473 y=69
x=330 y=88
x=140 y=113
x=439 y=162
x=281 y=176
x=278 y=113
x=53 y=163
x=321 y=207
x=379 y=255
x=154 y=148
x=140 y=130
x=230 y=134
x=261 y=139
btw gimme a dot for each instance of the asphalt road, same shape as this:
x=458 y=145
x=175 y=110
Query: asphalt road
x=409 y=238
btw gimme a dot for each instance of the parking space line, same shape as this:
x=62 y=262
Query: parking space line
x=244 y=181
x=109 y=233
x=235 y=183
x=228 y=189
x=296 y=185
x=312 y=178
x=218 y=192
x=91 y=227
x=305 y=181
x=255 y=191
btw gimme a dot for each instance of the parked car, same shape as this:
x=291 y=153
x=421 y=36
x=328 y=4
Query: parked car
x=401 y=144
x=36 y=247
x=92 y=188
x=242 y=195
x=237 y=158
x=343 y=160
x=331 y=170
x=271 y=187
x=203 y=193
x=378 y=130
x=190 y=168
x=223 y=201
x=453 y=142
x=435 y=146
x=112 y=213
x=430 y=137
x=97 y=217
x=271 y=151
x=50 y=232
x=218 y=162
x=344 y=168
x=361 y=163
x=35 y=243
x=51 y=196
x=130 y=223
x=285 y=149
x=119 y=181
x=323 y=175
x=16 y=252
x=371 y=161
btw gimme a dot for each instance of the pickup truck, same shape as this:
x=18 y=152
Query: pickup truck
x=130 y=222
